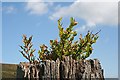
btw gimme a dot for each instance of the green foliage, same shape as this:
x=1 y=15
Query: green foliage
x=63 y=47
x=27 y=50
x=66 y=46
x=80 y=49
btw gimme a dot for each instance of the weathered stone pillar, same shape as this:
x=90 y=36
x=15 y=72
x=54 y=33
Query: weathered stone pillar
x=67 y=69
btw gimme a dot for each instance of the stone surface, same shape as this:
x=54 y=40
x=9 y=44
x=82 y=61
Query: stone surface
x=60 y=70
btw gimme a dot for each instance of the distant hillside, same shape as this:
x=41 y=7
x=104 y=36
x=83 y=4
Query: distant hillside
x=9 y=70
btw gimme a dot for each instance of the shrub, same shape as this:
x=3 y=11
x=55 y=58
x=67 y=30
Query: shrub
x=66 y=46
x=27 y=50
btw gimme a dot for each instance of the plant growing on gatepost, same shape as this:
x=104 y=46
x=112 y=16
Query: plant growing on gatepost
x=27 y=50
x=63 y=47
x=84 y=46
x=80 y=49
x=66 y=46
